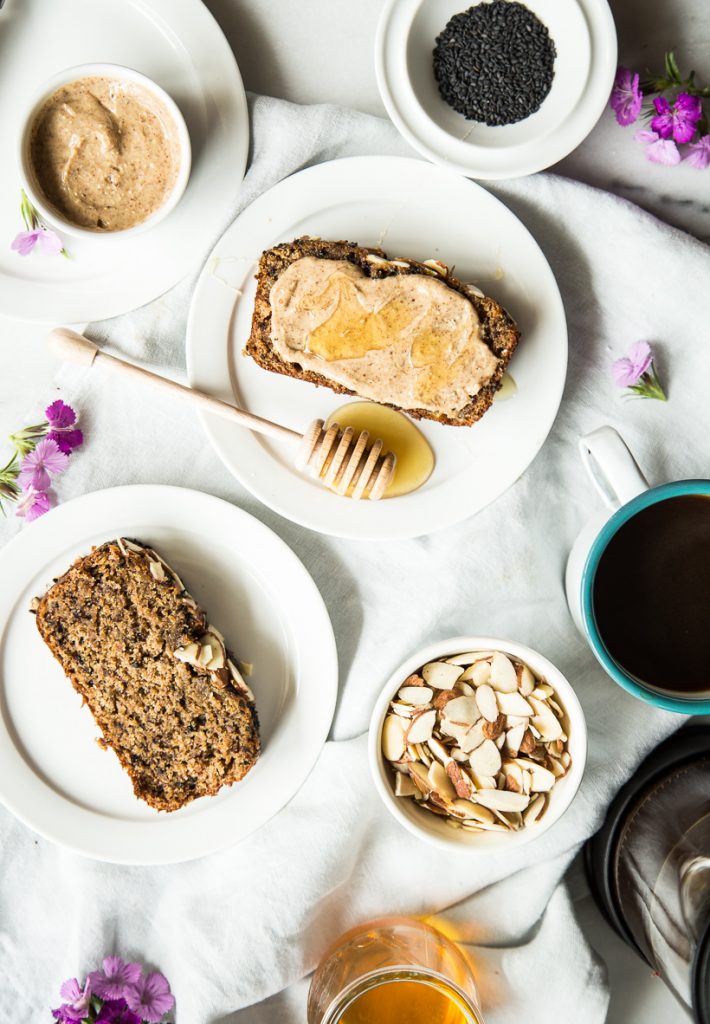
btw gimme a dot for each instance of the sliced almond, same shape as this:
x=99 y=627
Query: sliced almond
x=545 y=721
x=478 y=674
x=514 y=772
x=473 y=737
x=403 y=710
x=503 y=676
x=514 y=737
x=542 y=691
x=535 y=809
x=462 y=711
x=420 y=777
x=513 y=785
x=452 y=730
x=528 y=744
x=157 y=571
x=440 y=674
x=514 y=704
x=542 y=779
x=470 y=811
x=487 y=703
x=462 y=783
x=443 y=697
x=566 y=760
x=439 y=751
x=413 y=680
x=403 y=785
x=556 y=707
x=440 y=782
x=415 y=694
x=421 y=727
x=492 y=730
x=469 y=658
x=188 y=654
x=526 y=680
x=466 y=690
x=482 y=781
x=557 y=768
x=486 y=760
x=458 y=755
x=393 y=741
x=502 y=800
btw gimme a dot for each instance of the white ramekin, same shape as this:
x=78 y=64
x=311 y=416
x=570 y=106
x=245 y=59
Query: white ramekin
x=434 y=829
x=120 y=73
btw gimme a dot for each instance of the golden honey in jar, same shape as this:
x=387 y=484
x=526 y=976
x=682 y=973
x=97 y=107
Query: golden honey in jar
x=394 y=971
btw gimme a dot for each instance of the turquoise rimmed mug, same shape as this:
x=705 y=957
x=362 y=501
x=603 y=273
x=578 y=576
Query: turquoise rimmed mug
x=625 y=492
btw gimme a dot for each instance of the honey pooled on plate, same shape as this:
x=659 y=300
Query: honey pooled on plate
x=415 y=459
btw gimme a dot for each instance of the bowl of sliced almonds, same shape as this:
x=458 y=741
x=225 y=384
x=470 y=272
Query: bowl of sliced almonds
x=477 y=743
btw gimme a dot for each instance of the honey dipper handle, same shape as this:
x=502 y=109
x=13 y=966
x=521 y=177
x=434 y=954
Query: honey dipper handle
x=72 y=347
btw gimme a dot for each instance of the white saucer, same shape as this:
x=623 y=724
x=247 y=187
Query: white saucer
x=585 y=37
x=54 y=776
x=414 y=209
x=181 y=47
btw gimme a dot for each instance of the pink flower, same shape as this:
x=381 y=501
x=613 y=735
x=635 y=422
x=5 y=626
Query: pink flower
x=626 y=97
x=77 y=1000
x=630 y=369
x=61 y=419
x=699 y=155
x=678 y=121
x=150 y=997
x=32 y=504
x=38 y=464
x=658 y=150
x=116 y=977
x=49 y=242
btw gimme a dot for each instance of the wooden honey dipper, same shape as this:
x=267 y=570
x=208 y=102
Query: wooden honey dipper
x=340 y=458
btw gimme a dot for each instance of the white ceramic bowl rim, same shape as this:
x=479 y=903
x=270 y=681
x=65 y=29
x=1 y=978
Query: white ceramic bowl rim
x=105 y=70
x=435 y=831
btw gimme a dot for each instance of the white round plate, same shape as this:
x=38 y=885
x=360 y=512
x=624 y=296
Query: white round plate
x=413 y=209
x=55 y=777
x=181 y=47
x=585 y=38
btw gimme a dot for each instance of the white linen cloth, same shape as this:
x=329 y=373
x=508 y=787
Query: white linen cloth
x=241 y=927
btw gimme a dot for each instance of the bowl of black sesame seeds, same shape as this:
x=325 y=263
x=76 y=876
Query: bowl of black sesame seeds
x=500 y=88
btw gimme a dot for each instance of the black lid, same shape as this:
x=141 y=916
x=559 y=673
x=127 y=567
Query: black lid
x=700 y=973
x=688 y=743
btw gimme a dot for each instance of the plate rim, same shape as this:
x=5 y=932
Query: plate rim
x=90 y=307
x=193 y=350
x=327 y=658
x=525 y=166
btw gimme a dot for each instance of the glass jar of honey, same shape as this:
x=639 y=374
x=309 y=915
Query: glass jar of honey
x=391 y=971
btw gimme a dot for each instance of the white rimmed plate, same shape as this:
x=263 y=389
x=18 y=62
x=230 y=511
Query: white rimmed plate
x=585 y=38
x=181 y=47
x=412 y=209
x=53 y=775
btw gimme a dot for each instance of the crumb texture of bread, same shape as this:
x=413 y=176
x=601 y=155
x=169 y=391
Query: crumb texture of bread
x=499 y=331
x=180 y=730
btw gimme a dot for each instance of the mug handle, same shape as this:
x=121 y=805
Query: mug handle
x=611 y=466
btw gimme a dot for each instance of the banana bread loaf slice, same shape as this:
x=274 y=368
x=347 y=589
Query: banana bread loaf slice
x=158 y=678
x=344 y=344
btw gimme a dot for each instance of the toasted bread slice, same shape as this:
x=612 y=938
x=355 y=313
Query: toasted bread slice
x=159 y=680
x=498 y=330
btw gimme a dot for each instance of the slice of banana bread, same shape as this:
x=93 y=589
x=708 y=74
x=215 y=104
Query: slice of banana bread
x=159 y=680
x=499 y=332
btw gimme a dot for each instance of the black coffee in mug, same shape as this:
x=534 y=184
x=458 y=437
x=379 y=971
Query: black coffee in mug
x=651 y=595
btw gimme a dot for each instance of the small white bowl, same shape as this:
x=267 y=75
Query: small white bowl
x=120 y=73
x=434 y=829
x=585 y=39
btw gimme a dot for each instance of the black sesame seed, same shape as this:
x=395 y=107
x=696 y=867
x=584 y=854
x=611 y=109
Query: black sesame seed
x=494 y=63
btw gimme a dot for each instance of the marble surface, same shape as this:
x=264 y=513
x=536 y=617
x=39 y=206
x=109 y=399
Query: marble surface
x=321 y=51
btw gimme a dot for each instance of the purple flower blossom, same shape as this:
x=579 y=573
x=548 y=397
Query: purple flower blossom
x=116 y=1011
x=111 y=983
x=48 y=241
x=630 y=369
x=67 y=1015
x=637 y=372
x=626 y=97
x=32 y=504
x=658 y=150
x=38 y=464
x=77 y=1000
x=150 y=997
x=61 y=419
x=699 y=155
x=678 y=121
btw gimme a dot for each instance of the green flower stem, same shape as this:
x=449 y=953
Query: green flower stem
x=649 y=386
